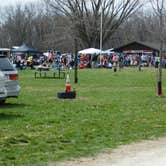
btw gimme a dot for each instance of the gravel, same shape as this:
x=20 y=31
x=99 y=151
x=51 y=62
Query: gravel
x=146 y=153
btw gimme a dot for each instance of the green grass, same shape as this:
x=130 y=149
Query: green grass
x=110 y=110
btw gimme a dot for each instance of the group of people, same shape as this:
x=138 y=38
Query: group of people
x=64 y=61
x=23 y=63
x=52 y=60
x=121 y=60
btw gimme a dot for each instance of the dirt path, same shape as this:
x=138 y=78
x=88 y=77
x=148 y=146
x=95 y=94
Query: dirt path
x=147 y=153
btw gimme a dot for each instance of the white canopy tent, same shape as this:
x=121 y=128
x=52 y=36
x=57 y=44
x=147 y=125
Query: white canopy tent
x=108 y=52
x=90 y=51
x=96 y=51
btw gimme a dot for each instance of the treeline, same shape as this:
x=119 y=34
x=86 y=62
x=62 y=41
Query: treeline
x=46 y=26
x=31 y=24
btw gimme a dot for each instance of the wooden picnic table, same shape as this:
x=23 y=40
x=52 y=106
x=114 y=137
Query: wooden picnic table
x=47 y=72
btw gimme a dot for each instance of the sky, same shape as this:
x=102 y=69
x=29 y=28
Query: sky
x=13 y=2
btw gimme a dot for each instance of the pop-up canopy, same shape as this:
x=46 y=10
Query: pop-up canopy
x=25 y=49
x=108 y=52
x=90 y=51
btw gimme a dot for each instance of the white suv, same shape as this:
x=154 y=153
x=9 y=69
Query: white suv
x=12 y=87
x=3 y=91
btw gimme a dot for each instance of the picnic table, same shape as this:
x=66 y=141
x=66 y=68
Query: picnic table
x=48 y=72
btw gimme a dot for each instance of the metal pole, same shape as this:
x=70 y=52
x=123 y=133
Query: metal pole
x=101 y=30
x=75 y=61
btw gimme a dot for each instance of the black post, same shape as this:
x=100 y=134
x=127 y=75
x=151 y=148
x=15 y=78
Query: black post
x=159 y=86
x=75 y=61
x=159 y=82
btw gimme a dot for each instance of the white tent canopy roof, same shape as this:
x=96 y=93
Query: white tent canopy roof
x=109 y=51
x=90 y=51
x=95 y=51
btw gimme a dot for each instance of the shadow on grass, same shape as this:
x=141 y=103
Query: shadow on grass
x=12 y=105
x=8 y=116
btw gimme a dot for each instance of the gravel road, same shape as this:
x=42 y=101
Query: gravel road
x=146 y=153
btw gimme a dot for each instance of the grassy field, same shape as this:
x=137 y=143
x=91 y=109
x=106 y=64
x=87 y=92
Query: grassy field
x=110 y=110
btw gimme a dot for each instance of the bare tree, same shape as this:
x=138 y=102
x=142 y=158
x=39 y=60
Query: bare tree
x=17 y=24
x=28 y=24
x=42 y=28
x=85 y=17
x=142 y=26
x=159 y=9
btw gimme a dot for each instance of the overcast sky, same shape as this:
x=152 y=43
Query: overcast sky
x=13 y=2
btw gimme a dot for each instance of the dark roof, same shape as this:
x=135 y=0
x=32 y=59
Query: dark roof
x=25 y=49
x=137 y=45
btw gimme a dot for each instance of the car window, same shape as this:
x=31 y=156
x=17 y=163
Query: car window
x=5 y=64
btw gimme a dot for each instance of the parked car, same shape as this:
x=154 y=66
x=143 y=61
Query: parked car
x=11 y=78
x=3 y=91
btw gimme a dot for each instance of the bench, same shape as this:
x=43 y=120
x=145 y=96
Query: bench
x=49 y=73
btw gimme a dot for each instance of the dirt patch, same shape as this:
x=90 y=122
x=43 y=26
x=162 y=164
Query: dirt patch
x=146 y=153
